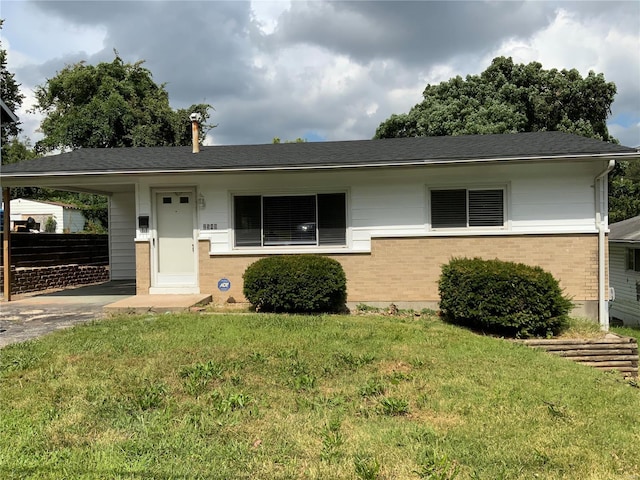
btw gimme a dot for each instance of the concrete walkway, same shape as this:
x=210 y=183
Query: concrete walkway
x=33 y=315
x=157 y=303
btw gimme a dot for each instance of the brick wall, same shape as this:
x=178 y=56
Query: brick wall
x=35 y=279
x=143 y=268
x=407 y=269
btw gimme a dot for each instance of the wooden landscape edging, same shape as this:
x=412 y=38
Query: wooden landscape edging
x=613 y=352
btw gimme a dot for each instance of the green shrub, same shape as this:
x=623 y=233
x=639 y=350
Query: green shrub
x=50 y=225
x=505 y=298
x=296 y=283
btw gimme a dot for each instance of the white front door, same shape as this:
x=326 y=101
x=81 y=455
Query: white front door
x=174 y=242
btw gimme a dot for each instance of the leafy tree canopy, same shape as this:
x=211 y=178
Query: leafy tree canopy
x=11 y=96
x=624 y=191
x=509 y=98
x=16 y=150
x=297 y=140
x=111 y=105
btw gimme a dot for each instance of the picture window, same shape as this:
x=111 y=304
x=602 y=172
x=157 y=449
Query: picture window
x=290 y=220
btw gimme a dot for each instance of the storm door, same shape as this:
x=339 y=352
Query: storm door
x=174 y=242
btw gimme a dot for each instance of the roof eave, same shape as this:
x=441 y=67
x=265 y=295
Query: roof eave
x=408 y=163
x=624 y=241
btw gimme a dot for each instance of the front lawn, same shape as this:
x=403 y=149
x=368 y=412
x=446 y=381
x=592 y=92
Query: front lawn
x=248 y=396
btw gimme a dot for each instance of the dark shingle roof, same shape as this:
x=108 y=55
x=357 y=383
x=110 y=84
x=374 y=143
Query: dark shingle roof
x=625 y=231
x=392 y=152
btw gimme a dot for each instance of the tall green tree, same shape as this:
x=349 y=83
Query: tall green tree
x=11 y=96
x=17 y=150
x=624 y=191
x=509 y=98
x=297 y=140
x=111 y=105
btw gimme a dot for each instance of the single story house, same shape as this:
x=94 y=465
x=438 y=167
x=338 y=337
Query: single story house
x=67 y=218
x=391 y=211
x=624 y=270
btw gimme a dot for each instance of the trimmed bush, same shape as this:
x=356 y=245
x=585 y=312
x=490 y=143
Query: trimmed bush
x=296 y=283
x=505 y=298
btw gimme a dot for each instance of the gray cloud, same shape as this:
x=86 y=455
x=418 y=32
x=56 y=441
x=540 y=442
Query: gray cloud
x=290 y=82
x=200 y=49
x=415 y=32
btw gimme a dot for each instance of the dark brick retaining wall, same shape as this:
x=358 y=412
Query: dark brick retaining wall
x=34 y=279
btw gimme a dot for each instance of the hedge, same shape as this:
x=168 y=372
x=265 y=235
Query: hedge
x=506 y=298
x=296 y=283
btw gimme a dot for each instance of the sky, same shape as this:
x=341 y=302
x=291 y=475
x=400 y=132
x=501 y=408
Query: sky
x=315 y=69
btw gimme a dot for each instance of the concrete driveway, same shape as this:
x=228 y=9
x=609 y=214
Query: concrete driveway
x=33 y=315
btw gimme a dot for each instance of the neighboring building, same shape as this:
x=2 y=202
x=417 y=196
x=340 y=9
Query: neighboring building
x=391 y=211
x=624 y=270
x=67 y=218
x=6 y=115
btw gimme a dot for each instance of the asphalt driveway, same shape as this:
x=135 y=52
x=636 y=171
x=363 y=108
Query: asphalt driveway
x=31 y=316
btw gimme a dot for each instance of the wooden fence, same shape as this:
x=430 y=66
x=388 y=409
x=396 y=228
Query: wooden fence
x=611 y=353
x=55 y=249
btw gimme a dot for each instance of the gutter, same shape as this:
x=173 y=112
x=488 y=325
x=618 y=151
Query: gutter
x=600 y=187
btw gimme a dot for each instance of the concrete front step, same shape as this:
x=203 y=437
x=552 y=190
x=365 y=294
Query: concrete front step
x=157 y=303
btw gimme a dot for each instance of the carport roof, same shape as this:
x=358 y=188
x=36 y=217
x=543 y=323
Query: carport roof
x=318 y=155
x=626 y=231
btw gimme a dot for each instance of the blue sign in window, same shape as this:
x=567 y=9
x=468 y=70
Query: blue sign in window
x=224 y=284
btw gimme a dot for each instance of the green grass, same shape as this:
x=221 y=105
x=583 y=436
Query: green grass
x=628 y=331
x=306 y=397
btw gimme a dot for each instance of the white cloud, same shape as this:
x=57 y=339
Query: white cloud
x=266 y=13
x=593 y=43
x=628 y=135
x=38 y=36
x=285 y=68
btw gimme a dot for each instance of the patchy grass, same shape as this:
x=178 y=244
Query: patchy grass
x=306 y=397
x=628 y=332
x=582 y=328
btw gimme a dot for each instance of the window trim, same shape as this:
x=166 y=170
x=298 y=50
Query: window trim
x=292 y=247
x=506 y=221
x=632 y=259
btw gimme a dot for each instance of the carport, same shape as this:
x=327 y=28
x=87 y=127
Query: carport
x=33 y=315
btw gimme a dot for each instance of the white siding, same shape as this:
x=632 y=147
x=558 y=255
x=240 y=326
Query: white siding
x=626 y=306
x=122 y=231
x=540 y=198
x=559 y=199
x=68 y=220
x=73 y=220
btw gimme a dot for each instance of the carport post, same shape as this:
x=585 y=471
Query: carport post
x=6 y=243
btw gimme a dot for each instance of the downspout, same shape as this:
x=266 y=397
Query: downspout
x=600 y=198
